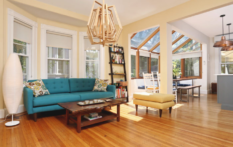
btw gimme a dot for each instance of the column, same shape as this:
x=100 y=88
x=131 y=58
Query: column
x=166 y=58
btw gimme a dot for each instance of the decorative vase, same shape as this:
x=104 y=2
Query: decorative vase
x=12 y=86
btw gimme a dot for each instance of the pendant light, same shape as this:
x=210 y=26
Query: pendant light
x=101 y=24
x=229 y=48
x=223 y=42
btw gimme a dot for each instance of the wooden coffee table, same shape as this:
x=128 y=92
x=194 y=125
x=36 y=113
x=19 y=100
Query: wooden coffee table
x=75 y=112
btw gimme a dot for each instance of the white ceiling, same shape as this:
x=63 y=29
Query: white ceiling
x=210 y=23
x=128 y=10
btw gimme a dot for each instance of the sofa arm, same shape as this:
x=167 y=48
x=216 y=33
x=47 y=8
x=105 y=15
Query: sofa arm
x=28 y=99
x=112 y=88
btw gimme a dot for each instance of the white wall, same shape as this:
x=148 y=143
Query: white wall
x=187 y=30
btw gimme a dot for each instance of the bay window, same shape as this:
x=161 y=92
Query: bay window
x=92 y=63
x=58 y=62
x=58 y=55
x=22 y=46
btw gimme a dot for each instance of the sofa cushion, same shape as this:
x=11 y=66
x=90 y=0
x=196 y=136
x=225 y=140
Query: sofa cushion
x=88 y=95
x=55 y=98
x=81 y=84
x=38 y=88
x=56 y=85
x=154 y=97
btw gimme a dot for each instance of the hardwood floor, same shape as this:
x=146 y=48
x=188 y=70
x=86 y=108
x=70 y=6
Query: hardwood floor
x=200 y=122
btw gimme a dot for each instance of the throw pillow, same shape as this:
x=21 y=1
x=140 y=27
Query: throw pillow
x=100 y=85
x=38 y=88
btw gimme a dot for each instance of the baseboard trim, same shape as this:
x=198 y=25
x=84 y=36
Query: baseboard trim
x=4 y=112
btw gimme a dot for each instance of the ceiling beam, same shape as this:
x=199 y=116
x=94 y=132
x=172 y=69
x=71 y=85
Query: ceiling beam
x=177 y=39
x=134 y=48
x=154 y=47
x=155 y=53
x=133 y=35
x=181 y=45
x=173 y=31
x=148 y=38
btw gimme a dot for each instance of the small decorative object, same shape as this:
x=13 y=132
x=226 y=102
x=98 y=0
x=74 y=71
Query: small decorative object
x=38 y=88
x=86 y=102
x=12 y=86
x=108 y=100
x=113 y=58
x=101 y=24
x=100 y=85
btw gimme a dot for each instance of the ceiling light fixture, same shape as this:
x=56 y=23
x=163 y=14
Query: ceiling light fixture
x=101 y=24
x=228 y=48
x=223 y=42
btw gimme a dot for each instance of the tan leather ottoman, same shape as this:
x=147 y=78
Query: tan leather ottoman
x=154 y=100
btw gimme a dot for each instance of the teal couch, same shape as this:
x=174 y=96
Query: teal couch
x=63 y=90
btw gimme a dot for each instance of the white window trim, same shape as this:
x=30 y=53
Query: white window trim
x=44 y=52
x=11 y=15
x=82 y=58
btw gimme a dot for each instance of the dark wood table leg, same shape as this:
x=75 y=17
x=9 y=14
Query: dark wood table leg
x=79 y=123
x=67 y=117
x=118 y=113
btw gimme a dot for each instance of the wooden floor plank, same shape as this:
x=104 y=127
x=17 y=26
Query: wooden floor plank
x=201 y=122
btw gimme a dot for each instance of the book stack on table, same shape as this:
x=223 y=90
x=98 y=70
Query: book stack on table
x=92 y=116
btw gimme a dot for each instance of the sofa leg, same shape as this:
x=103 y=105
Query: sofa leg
x=136 y=106
x=170 y=110
x=35 y=117
x=160 y=112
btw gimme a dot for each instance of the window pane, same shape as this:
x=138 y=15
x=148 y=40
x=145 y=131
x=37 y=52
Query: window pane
x=190 y=46
x=58 y=69
x=175 y=36
x=19 y=42
x=152 y=42
x=140 y=36
x=133 y=66
x=66 y=51
x=24 y=64
x=176 y=67
x=92 y=55
x=52 y=52
x=143 y=65
x=227 y=68
x=192 y=67
x=92 y=69
x=223 y=71
x=157 y=50
x=154 y=65
x=60 y=53
x=227 y=56
x=18 y=48
x=178 y=43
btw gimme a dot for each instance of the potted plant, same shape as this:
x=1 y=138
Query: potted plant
x=176 y=72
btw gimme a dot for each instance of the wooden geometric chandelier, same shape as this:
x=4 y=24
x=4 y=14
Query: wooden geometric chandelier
x=101 y=24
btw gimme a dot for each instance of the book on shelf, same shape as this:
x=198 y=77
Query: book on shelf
x=90 y=117
x=121 y=93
